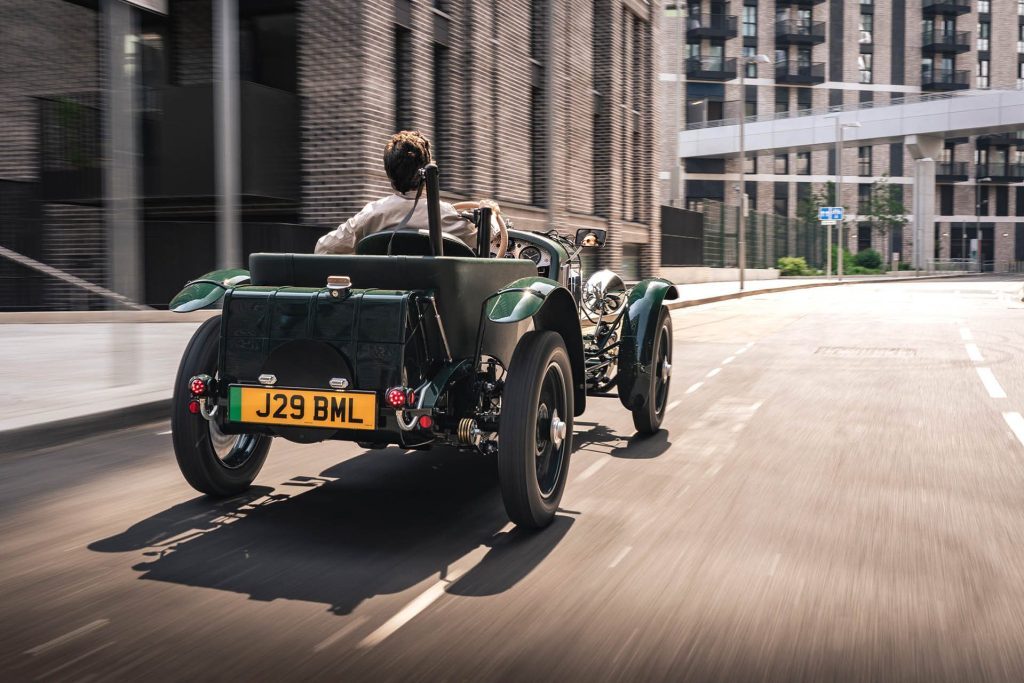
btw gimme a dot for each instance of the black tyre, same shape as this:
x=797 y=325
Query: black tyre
x=535 y=431
x=213 y=463
x=647 y=418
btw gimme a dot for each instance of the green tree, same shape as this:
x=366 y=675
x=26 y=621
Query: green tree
x=807 y=209
x=886 y=212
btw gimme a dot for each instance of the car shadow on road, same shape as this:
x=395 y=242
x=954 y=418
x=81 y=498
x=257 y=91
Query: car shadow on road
x=378 y=523
x=601 y=439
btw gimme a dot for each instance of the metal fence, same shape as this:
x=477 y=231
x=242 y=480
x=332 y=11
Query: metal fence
x=768 y=238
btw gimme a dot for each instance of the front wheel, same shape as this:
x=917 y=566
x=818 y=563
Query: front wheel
x=647 y=418
x=535 y=431
x=212 y=462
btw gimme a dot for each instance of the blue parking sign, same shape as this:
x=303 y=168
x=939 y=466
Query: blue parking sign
x=830 y=213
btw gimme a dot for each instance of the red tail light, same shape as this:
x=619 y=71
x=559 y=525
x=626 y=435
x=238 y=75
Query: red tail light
x=426 y=422
x=200 y=385
x=396 y=398
x=193 y=407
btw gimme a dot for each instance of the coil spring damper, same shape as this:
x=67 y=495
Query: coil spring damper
x=467 y=431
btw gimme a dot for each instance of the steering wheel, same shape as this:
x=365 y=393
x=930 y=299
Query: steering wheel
x=496 y=222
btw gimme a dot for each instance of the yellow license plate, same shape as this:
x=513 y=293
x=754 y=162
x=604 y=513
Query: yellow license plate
x=303 y=408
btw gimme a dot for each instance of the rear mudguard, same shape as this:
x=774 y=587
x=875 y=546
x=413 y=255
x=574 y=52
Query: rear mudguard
x=639 y=327
x=552 y=307
x=208 y=289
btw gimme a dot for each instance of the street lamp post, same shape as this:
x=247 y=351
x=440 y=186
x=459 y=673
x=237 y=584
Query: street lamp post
x=838 y=198
x=742 y=240
x=977 y=218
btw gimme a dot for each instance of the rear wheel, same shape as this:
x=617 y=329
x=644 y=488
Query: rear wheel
x=647 y=419
x=212 y=462
x=535 y=431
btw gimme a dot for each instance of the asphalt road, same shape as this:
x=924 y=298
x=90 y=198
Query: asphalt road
x=838 y=494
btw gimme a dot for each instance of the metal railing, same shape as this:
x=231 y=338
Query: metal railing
x=945 y=77
x=951 y=168
x=938 y=37
x=800 y=28
x=768 y=238
x=719 y=66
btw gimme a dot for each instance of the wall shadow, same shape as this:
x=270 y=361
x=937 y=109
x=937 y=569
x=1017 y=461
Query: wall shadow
x=377 y=523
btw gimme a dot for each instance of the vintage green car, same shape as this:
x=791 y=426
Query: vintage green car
x=417 y=341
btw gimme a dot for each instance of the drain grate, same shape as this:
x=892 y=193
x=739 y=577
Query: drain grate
x=865 y=352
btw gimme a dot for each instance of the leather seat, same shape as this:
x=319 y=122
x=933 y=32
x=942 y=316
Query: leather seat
x=461 y=283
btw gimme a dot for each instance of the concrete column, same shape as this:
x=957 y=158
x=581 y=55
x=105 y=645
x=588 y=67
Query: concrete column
x=227 y=133
x=121 y=175
x=924 y=149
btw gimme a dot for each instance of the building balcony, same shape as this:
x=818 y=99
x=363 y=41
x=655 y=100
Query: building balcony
x=945 y=79
x=946 y=41
x=1000 y=172
x=711 y=68
x=799 y=74
x=933 y=7
x=1015 y=139
x=799 y=32
x=798 y=3
x=951 y=172
x=711 y=26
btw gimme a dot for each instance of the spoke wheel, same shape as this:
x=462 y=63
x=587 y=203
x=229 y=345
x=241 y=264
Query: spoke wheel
x=647 y=418
x=212 y=462
x=535 y=430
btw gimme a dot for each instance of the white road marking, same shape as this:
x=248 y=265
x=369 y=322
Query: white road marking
x=163 y=433
x=590 y=471
x=1016 y=423
x=991 y=383
x=621 y=556
x=410 y=611
x=775 y=564
x=694 y=387
x=339 y=634
x=743 y=350
x=973 y=353
x=714 y=372
x=965 y=334
x=713 y=470
x=68 y=637
x=728 y=360
x=76 y=660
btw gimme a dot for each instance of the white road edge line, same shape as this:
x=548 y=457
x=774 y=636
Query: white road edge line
x=728 y=360
x=409 y=612
x=163 y=433
x=973 y=353
x=694 y=387
x=1016 y=423
x=339 y=634
x=620 y=557
x=714 y=372
x=592 y=470
x=68 y=637
x=965 y=334
x=991 y=383
x=672 y=406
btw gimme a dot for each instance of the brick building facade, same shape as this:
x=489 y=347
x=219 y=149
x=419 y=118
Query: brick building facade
x=544 y=105
x=830 y=52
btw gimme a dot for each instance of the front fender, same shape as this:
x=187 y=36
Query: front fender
x=639 y=326
x=552 y=307
x=207 y=290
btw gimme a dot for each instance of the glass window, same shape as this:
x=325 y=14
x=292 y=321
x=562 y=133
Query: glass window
x=803 y=163
x=864 y=160
x=1020 y=7
x=871 y=2
x=781 y=99
x=984 y=6
x=863 y=198
x=749 y=21
x=749 y=69
x=867 y=25
x=781 y=206
x=781 y=164
x=983 y=76
x=750 y=165
x=984 y=33
x=803 y=57
x=1020 y=75
x=750 y=108
x=1020 y=38
x=864 y=64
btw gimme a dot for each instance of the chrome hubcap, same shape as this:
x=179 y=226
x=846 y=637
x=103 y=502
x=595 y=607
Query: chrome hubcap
x=666 y=370
x=557 y=430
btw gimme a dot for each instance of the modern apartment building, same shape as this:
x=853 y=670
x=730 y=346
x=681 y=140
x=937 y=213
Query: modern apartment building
x=118 y=119
x=847 y=54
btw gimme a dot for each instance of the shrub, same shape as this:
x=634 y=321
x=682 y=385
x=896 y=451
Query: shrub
x=848 y=263
x=869 y=258
x=793 y=265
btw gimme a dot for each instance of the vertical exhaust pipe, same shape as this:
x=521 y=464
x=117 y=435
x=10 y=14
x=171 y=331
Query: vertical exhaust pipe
x=434 y=209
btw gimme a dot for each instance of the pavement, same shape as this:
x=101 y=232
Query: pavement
x=835 y=495
x=106 y=370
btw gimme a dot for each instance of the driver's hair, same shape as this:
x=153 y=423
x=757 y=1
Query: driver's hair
x=405 y=154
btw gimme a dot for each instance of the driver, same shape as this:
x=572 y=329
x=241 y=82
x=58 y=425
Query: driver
x=404 y=155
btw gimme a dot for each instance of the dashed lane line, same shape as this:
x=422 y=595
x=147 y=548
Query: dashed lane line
x=410 y=611
x=694 y=387
x=1016 y=423
x=672 y=406
x=992 y=385
x=592 y=470
x=68 y=637
x=728 y=360
x=714 y=372
x=620 y=557
x=965 y=334
x=339 y=634
x=973 y=353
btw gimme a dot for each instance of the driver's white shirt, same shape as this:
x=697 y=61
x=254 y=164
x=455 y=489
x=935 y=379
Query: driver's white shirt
x=386 y=214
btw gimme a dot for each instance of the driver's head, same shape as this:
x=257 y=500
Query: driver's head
x=405 y=154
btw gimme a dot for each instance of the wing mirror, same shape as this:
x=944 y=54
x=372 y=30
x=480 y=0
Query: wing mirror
x=590 y=237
